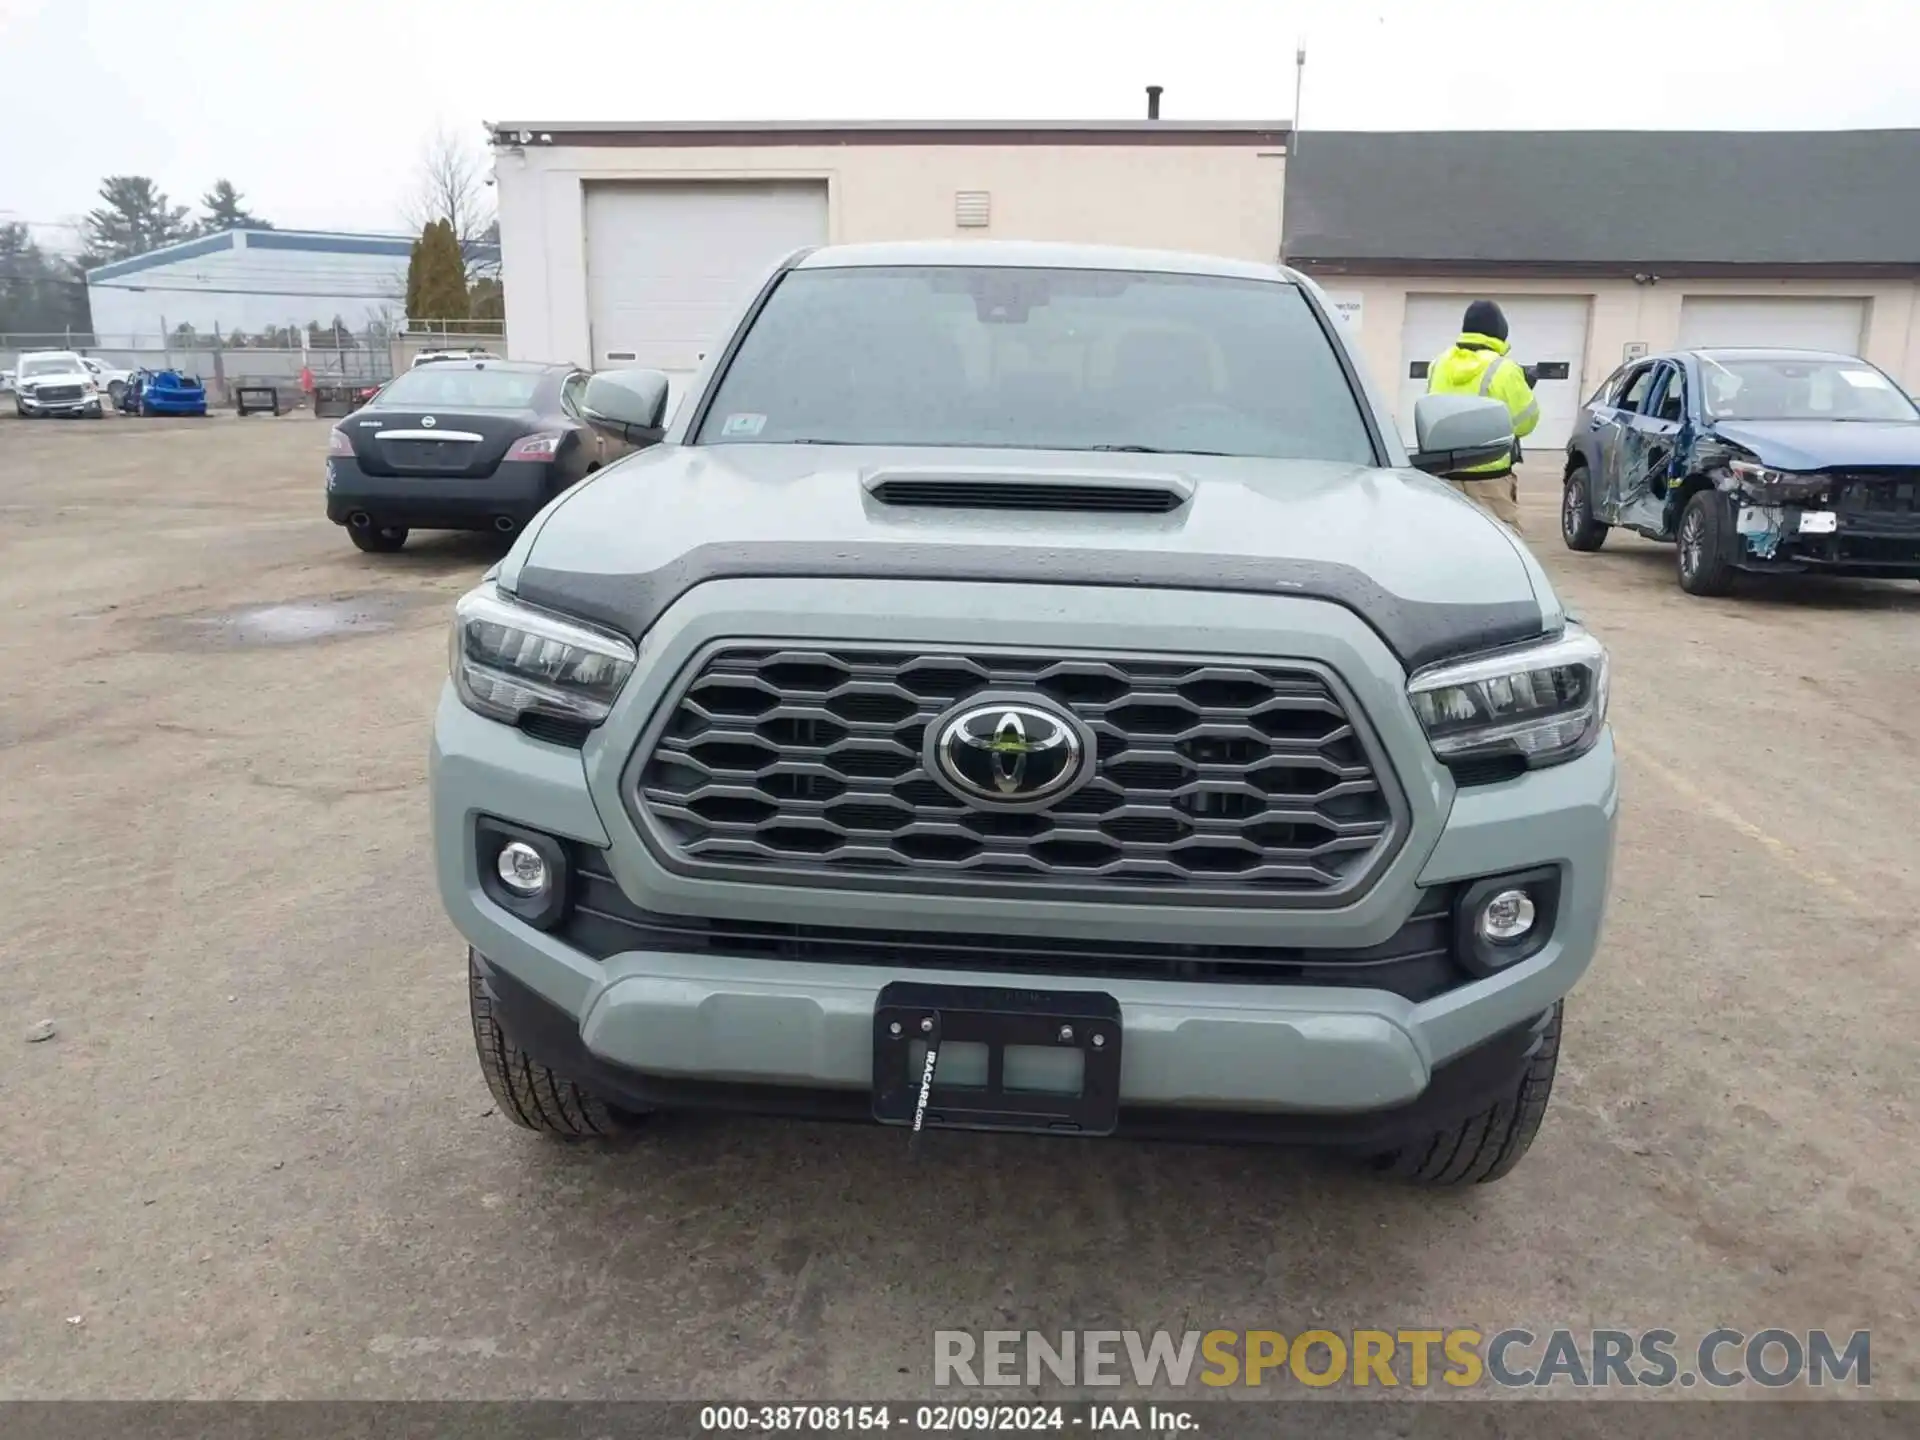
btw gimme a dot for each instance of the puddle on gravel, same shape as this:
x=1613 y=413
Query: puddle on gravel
x=293 y=622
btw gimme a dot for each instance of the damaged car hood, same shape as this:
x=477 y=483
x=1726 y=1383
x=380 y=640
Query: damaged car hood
x=1431 y=572
x=1825 y=444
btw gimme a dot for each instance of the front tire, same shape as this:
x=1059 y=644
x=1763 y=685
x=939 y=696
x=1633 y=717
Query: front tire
x=1481 y=1148
x=1578 y=527
x=527 y=1092
x=1704 y=548
x=378 y=539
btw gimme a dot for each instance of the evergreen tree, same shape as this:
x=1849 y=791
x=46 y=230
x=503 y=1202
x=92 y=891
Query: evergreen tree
x=225 y=210
x=39 y=293
x=488 y=301
x=442 y=292
x=136 y=218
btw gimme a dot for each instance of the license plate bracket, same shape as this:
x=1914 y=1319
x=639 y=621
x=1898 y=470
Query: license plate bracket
x=996 y=1017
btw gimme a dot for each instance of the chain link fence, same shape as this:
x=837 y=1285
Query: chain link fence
x=289 y=359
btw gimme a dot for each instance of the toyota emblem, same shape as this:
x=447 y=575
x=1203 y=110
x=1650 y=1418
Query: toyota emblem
x=1009 y=754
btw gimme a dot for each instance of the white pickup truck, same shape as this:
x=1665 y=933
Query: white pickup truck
x=55 y=382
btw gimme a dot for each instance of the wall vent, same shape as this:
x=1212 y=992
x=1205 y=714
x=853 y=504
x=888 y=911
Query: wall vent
x=972 y=209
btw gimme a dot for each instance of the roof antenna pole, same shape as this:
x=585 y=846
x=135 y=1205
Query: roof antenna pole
x=1293 y=145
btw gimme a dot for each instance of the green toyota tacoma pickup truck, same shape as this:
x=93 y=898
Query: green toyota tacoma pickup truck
x=1029 y=687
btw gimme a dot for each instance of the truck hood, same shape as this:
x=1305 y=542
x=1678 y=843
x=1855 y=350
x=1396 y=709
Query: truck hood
x=1825 y=444
x=1429 y=570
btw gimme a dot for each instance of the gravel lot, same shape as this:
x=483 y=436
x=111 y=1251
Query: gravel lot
x=257 y=1158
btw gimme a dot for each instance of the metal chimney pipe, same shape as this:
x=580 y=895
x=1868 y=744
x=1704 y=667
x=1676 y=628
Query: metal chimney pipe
x=1153 y=101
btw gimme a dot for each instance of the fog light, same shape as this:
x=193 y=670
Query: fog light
x=524 y=872
x=1505 y=918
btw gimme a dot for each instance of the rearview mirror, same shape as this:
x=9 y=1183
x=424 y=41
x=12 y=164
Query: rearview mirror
x=628 y=404
x=1452 y=433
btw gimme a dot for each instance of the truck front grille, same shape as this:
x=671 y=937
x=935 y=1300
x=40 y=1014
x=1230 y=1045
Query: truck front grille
x=1225 y=780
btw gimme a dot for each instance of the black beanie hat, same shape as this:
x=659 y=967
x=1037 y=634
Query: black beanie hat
x=1485 y=318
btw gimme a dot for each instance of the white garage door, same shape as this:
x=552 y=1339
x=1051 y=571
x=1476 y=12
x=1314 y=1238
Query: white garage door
x=1770 y=320
x=1549 y=330
x=669 y=265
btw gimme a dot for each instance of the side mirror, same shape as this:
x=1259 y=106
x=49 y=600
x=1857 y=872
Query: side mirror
x=1452 y=433
x=630 y=405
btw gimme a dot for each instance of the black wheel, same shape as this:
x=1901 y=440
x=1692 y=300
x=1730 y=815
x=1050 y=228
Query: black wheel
x=1705 y=548
x=1483 y=1147
x=1577 y=524
x=378 y=539
x=19 y=407
x=527 y=1092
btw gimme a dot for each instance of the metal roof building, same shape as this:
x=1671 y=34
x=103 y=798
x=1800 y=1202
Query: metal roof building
x=251 y=281
x=1601 y=245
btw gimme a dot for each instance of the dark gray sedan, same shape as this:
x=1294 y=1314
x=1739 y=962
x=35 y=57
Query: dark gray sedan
x=461 y=445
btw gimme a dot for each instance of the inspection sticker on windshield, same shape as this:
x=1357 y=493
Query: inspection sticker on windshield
x=743 y=424
x=1866 y=379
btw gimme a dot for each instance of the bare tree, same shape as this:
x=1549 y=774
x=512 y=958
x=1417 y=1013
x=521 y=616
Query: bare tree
x=450 y=184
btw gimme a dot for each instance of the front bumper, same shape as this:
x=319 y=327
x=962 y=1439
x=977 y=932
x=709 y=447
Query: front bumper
x=1791 y=539
x=86 y=405
x=658 y=1027
x=516 y=490
x=1452 y=1090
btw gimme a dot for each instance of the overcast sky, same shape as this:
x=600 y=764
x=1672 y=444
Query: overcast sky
x=317 y=112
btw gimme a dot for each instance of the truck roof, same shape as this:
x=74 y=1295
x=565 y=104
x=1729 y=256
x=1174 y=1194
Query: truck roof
x=1036 y=254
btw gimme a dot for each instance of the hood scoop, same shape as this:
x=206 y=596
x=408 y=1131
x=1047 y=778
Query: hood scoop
x=992 y=488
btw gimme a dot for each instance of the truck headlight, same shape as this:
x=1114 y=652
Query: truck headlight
x=1543 y=703
x=510 y=660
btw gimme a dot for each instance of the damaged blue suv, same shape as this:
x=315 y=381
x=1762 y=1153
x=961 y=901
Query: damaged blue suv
x=1762 y=461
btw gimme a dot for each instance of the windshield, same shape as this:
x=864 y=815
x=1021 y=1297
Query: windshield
x=50 y=365
x=1753 y=388
x=1040 y=359
x=446 y=386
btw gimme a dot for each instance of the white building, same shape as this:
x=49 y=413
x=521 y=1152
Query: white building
x=249 y=282
x=632 y=244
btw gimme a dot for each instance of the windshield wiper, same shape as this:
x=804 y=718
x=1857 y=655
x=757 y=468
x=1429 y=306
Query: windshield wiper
x=1149 y=450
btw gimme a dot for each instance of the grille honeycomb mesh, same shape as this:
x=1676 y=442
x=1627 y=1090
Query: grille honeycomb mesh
x=1227 y=778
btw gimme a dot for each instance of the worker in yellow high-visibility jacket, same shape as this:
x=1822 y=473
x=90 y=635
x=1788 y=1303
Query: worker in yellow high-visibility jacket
x=1478 y=364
